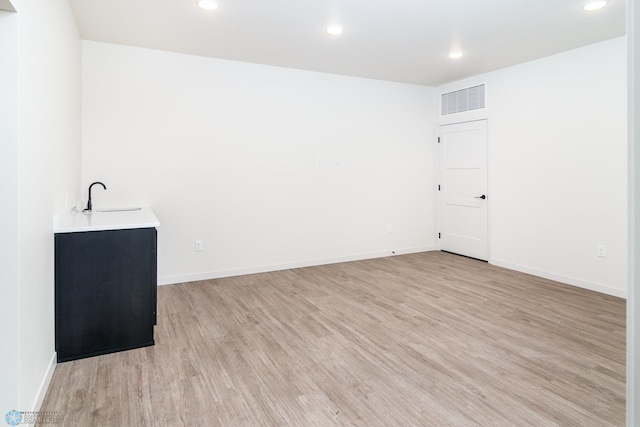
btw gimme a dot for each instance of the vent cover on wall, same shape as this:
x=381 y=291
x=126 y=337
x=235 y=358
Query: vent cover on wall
x=471 y=98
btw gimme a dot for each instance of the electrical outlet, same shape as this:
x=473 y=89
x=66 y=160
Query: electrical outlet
x=601 y=251
x=198 y=246
x=319 y=161
x=390 y=228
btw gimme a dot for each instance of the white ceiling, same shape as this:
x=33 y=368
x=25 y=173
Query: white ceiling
x=396 y=40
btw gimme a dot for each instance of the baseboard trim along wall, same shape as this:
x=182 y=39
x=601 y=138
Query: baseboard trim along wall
x=170 y=280
x=44 y=385
x=621 y=293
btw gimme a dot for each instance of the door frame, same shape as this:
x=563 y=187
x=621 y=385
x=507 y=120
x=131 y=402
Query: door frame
x=439 y=201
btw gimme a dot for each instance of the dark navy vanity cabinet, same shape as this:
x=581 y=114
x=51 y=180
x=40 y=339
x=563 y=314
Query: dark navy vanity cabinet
x=105 y=291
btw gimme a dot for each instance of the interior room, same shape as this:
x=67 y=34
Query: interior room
x=288 y=162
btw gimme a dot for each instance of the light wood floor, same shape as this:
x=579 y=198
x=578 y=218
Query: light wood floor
x=429 y=339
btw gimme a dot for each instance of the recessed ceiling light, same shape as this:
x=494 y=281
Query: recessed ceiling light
x=455 y=55
x=207 y=5
x=334 y=30
x=595 y=5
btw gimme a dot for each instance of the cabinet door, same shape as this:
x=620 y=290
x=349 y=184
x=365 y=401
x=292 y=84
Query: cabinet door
x=105 y=291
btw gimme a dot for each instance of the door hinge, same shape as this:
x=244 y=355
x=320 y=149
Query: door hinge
x=439 y=236
x=438 y=187
x=438 y=140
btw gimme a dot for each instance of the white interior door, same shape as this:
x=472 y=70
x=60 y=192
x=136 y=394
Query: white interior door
x=463 y=189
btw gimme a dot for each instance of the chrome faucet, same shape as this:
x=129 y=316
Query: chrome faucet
x=89 y=205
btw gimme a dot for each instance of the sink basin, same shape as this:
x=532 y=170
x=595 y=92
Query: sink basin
x=117 y=209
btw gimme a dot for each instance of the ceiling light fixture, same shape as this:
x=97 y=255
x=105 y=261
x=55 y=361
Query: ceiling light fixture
x=207 y=5
x=455 y=55
x=334 y=30
x=595 y=5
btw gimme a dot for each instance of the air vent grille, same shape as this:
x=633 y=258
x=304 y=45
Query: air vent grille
x=471 y=98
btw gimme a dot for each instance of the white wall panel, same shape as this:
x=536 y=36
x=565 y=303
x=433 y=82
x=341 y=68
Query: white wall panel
x=557 y=165
x=48 y=129
x=226 y=152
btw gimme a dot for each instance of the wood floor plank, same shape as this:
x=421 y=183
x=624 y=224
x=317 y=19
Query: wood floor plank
x=429 y=339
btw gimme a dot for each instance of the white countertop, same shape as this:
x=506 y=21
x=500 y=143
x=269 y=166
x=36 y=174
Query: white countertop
x=74 y=222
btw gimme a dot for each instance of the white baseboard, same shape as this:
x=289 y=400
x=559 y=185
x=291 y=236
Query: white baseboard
x=44 y=384
x=616 y=292
x=168 y=280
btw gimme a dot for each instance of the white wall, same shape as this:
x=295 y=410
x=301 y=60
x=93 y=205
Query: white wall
x=557 y=165
x=225 y=152
x=44 y=164
x=633 y=299
x=9 y=357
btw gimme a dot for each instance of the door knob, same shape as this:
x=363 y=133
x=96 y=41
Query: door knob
x=481 y=197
